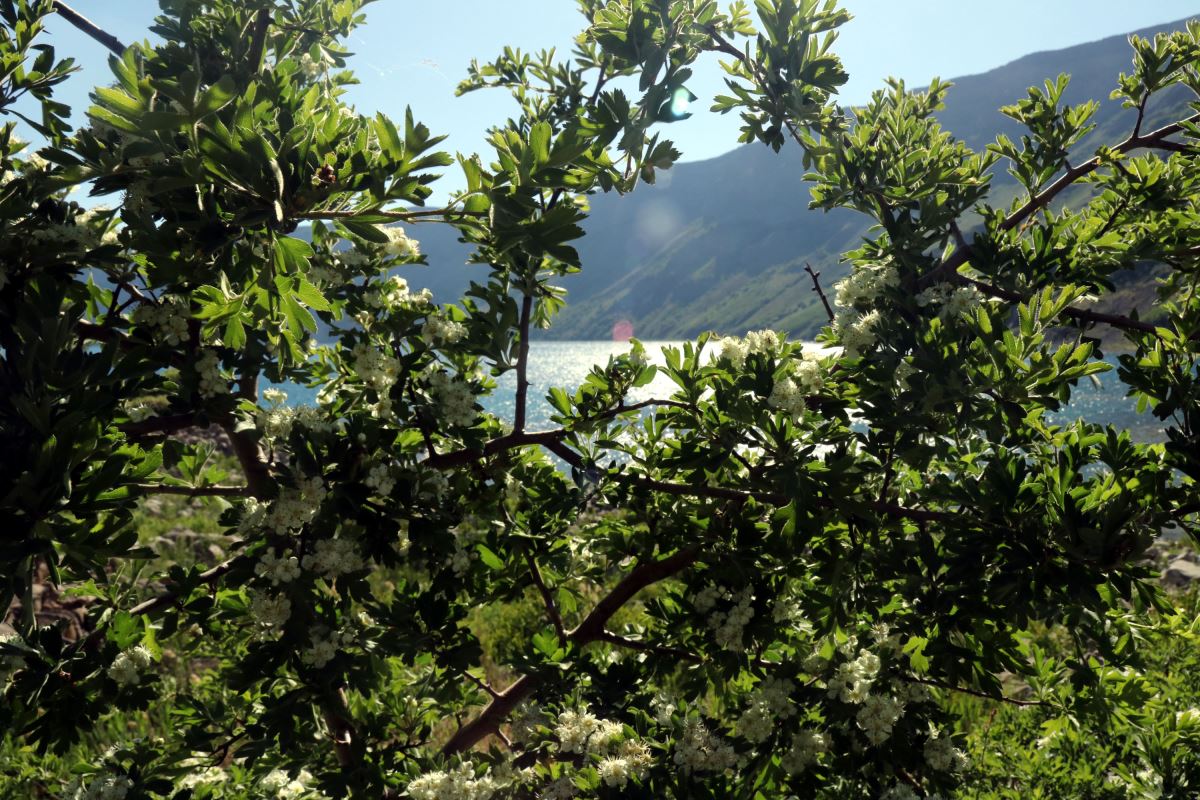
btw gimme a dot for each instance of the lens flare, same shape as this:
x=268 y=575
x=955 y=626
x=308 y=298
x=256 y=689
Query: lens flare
x=680 y=101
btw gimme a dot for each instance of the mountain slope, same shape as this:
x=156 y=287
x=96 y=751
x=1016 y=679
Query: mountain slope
x=721 y=244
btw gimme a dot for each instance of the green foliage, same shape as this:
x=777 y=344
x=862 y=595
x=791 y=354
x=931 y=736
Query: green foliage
x=794 y=576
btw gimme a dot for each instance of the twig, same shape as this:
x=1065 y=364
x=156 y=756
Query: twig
x=523 y=364
x=482 y=684
x=975 y=692
x=547 y=597
x=816 y=282
x=90 y=28
x=646 y=647
x=193 y=491
x=592 y=628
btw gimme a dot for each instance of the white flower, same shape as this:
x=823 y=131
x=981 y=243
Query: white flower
x=574 y=729
x=807 y=747
x=877 y=716
x=311 y=67
x=167 y=320
x=787 y=396
x=270 y=611
x=861 y=289
x=376 y=368
x=562 y=788
x=280 y=785
x=208 y=368
x=455 y=399
x=323 y=646
x=394 y=294
x=334 y=557
x=456 y=784
x=296 y=507
x=941 y=755
x=379 y=479
x=127 y=667
x=852 y=681
x=857 y=332
x=398 y=243
x=277 y=569
x=439 y=330
x=699 y=751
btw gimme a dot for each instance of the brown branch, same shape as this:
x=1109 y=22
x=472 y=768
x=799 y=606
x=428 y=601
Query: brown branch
x=523 y=364
x=90 y=28
x=336 y=715
x=547 y=597
x=489 y=720
x=1081 y=314
x=258 y=38
x=816 y=282
x=1154 y=139
x=393 y=216
x=974 y=692
x=193 y=491
x=482 y=684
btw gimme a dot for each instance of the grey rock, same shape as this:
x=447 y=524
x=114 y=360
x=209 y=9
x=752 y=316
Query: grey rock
x=1181 y=573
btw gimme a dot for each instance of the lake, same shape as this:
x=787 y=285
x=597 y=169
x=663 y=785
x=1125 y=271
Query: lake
x=566 y=364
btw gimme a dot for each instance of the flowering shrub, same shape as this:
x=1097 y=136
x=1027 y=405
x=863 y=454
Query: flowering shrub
x=775 y=582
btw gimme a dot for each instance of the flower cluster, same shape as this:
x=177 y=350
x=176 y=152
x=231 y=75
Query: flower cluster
x=66 y=236
x=375 y=367
x=954 y=300
x=877 y=716
x=276 y=568
x=698 y=750
x=379 y=479
x=278 y=784
x=334 y=557
x=861 y=289
x=440 y=330
x=770 y=701
x=296 y=507
x=852 y=681
x=126 y=669
x=456 y=401
x=581 y=731
x=398 y=243
x=106 y=787
x=941 y=754
x=857 y=332
x=312 y=68
x=561 y=788
x=277 y=422
x=807 y=747
x=168 y=320
x=736 y=351
x=631 y=760
x=727 y=625
x=455 y=784
x=394 y=295
x=208 y=368
x=324 y=645
x=270 y=610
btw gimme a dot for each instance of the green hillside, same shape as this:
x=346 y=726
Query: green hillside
x=721 y=244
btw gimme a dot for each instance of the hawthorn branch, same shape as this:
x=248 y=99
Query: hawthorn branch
x=523 y=364
x=816 y=282
x=488 y=721
x=193 y=491
x=392 y=216
x=547 y=597
x=90 y=28
x=975 y=692
x=647 y=647
x=1081 y=314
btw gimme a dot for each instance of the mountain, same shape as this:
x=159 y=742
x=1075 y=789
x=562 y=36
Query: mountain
x=721 y=244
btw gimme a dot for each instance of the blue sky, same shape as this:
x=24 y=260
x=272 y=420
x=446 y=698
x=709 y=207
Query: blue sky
x=414 y=53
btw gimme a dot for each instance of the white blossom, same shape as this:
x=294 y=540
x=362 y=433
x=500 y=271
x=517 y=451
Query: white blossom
x=270 y=610
x=455 y=784
x=807 y=747
x=208 y=368
x=107 y=787
x=877 y=716
x=441 y=330
x=394 y=294
x=698 y=750
x=126 y=669
x=276 y=568
x=167 y=320
x=334 y=557
x=398 y=243
x=456 y=401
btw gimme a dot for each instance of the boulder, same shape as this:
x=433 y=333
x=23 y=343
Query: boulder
x=1181 y=573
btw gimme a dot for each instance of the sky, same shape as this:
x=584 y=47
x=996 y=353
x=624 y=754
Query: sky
x=414 y=53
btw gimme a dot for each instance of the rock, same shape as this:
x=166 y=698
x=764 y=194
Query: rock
x=1181 y=573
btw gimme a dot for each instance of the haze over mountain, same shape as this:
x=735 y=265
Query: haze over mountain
x=721 y=244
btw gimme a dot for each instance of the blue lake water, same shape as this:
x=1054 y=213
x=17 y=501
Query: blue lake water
x=566 y=364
